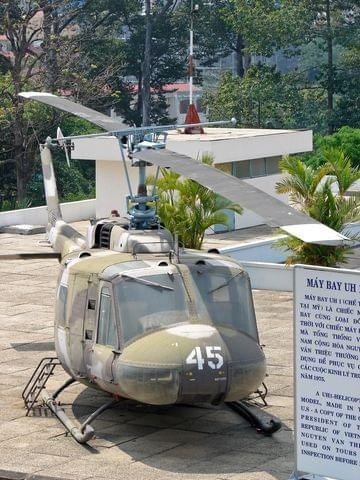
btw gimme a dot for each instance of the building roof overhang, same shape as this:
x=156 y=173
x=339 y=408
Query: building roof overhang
x=226 y=144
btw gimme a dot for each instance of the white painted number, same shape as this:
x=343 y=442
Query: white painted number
x=211 y=353
x=196 y=358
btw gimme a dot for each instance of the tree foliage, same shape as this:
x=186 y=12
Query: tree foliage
x=263 y=98
x=323 y=36
x=320 y=192
x=95 y=52
x=345 y=139
x=188 y=209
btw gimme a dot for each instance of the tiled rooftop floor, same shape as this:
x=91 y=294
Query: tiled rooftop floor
x=133 y=441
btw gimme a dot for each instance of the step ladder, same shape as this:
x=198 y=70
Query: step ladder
x=37 y=382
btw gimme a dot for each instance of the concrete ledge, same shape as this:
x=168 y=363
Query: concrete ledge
x=270 y=276
x=72 y=212
x=257 y=251
x=23 y=229
x=9 y=475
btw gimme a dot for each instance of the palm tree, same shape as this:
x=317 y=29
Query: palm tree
x=188 y=209
x=312 y=191
x=300 y=182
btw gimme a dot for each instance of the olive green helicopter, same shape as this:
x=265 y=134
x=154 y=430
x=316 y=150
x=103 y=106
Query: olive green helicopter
x=137 y=316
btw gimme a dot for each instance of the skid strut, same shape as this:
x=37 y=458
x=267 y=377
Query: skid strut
x=35 y=391
x=267 y=428
x=85 y=431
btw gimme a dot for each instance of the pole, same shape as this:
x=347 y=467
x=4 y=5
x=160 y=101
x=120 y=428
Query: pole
x=191 y=53
x=146 y=67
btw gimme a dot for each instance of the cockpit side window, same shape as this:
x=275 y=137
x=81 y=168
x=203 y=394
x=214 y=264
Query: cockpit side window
x=224 y=298
x=150 y=302
x=61 y=305
x=106 y=334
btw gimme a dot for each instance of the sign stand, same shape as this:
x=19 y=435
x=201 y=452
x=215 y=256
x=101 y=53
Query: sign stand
x=326 y=373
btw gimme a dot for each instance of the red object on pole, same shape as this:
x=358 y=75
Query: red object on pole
x=192 y=116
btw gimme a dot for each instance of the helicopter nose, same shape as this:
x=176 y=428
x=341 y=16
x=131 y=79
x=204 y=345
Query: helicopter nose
x=223 y=364
x=185 y=363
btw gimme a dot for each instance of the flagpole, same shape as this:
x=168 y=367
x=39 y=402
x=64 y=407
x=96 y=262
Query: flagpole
x=191 y=53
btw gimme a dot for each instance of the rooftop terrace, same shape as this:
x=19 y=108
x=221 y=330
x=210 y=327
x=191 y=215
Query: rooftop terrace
x=133 y=441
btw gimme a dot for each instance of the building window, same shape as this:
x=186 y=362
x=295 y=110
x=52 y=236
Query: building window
x=242 y=169
x=185 y=102
x=184 y=105
x=200 y=105
x=257 y=167
x=225 y=167
x=272 y=165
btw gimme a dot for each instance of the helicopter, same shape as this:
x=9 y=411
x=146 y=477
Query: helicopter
x=137 y=316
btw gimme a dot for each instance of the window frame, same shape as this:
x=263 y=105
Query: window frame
x=64 y=303
x=141 y=272
x=231 y=271
x=113 y=311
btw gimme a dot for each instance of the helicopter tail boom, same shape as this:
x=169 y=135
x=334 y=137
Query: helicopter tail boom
x=63 y=237
x=51 y=194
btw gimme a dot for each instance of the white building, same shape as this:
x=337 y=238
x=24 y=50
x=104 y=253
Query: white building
x=178 y=98
x=251 y=154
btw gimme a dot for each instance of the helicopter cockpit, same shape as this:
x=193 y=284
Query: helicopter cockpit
x=147 y=299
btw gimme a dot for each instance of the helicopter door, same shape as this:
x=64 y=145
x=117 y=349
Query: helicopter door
x=79 y=289
x=106 y=344
x=90 y=321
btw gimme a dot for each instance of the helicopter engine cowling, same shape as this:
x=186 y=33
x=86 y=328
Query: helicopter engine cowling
x=192 y=363
x=116 y=235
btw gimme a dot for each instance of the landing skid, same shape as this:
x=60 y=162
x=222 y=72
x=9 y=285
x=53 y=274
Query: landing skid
x=85 y=431
x=267 y=428
x=35 y=390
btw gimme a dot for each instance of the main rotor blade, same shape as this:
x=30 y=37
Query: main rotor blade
x=97 y=118
x=273 y=211
x=29 y=256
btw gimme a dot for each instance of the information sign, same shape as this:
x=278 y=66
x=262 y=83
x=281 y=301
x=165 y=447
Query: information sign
x=327 y=372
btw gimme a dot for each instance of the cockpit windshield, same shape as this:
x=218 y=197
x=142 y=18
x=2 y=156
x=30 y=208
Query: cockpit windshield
x=148 y=302
x=224 y=298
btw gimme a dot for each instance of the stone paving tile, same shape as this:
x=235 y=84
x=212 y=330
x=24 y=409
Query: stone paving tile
x=132 y=441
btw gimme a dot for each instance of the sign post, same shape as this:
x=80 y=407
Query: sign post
x=327 y=373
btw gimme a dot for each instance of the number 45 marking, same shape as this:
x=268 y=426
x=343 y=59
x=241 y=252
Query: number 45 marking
x=196 y=358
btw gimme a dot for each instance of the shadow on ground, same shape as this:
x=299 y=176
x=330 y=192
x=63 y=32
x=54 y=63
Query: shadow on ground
x=188 y=439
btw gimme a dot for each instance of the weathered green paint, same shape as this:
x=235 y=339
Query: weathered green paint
x=188 y=360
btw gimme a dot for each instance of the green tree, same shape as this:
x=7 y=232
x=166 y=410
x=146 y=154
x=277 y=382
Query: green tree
x=46 y=49
x=323 y=34
x=263 y=98
x=188 y=209
x=332 y=29
x=313 y=191
x=345 y=139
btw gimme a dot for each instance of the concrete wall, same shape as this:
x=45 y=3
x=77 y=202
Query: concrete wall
x=258 y=251
x=244 y=144
x=112 y=187
x=270 y=276
x=72 y=212
x=266 y=184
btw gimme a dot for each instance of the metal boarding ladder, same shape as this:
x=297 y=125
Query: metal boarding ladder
x=38 y=381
